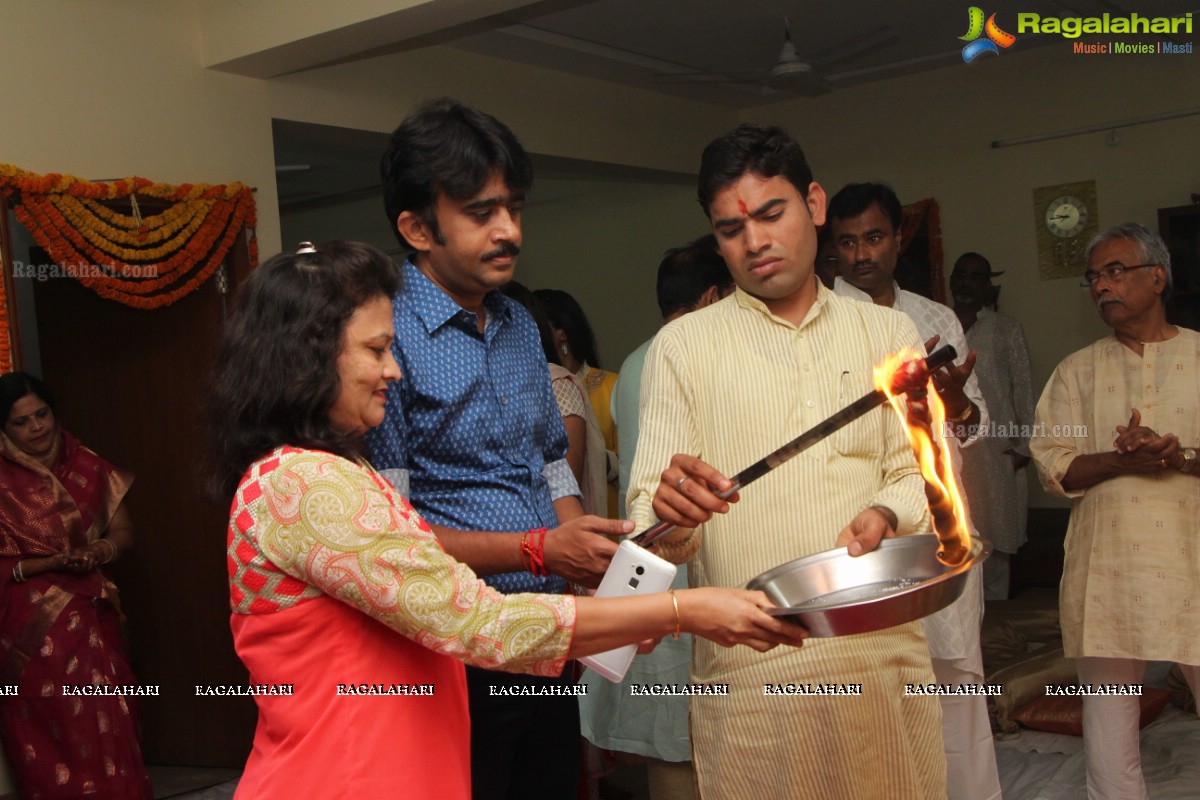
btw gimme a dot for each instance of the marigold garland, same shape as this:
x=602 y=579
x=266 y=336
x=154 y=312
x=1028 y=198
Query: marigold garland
x=146 y=262
x=123 y=229
x=69 y=248
x=90 y=244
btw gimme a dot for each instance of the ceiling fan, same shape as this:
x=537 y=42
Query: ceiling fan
x=790 y=72
x=789 y=67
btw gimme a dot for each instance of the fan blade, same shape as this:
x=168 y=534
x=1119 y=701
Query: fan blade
x=852 y=49
x=749 y=76
x=897 y=67
x=809 y=84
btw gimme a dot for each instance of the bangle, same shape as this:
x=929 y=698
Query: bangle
x=525 y=552
x=678 y=623
x=18 y=573
x=112 y=548
x=965 y=415
x=533 y=552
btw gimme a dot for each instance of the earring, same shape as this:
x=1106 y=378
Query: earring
x=564 y=349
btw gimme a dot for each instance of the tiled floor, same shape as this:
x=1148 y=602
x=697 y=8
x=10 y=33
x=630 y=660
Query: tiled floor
x=193 y=783
x=201 y=783
x=627 y=782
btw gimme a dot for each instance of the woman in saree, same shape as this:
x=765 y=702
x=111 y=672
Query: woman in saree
x=61 y=521
x=341 y=594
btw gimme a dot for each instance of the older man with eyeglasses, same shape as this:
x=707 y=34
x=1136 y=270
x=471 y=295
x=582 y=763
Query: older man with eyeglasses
x=1129 y=591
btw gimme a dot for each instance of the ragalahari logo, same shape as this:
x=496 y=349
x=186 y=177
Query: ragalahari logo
x=996 y=38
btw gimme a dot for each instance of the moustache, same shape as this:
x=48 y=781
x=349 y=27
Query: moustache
x=505 y=249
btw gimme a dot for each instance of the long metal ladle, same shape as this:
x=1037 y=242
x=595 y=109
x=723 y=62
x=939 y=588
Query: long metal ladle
x=934 y=361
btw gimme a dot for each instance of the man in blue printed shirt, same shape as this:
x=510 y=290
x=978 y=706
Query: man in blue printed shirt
x=472 y=432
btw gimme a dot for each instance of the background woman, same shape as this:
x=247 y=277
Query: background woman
x=576 y=345
x=328 y=564
x=61 y=518
x=586 y=453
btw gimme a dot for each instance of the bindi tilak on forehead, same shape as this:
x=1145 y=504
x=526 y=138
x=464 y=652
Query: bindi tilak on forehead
x=742 y=207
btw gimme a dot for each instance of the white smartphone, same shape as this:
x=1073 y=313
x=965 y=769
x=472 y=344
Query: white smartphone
x=634 y=570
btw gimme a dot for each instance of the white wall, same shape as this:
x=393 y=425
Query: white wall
x=929 y=135
x=105 y=90
x=114 y=89
x=362 y=219
x=123 y=92
x=602 y=241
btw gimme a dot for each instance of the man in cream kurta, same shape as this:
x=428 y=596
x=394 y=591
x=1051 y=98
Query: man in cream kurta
x=1116 y=430
x=726 y=385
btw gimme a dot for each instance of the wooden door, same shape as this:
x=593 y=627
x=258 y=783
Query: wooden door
x=1180 y=229
x=129 y=384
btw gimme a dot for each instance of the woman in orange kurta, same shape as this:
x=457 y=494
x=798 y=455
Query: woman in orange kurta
x=351 y=619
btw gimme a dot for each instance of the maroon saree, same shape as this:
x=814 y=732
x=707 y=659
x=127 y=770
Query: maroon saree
x=61 y=629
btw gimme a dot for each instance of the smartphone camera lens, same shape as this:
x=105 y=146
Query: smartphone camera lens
x=640 y=570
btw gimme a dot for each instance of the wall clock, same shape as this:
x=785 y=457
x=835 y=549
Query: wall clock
x=1065 y=219
x=1066 y=216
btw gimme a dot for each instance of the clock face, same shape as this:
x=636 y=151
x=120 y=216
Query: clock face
x=1066 y=216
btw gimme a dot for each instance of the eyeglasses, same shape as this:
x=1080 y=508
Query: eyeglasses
x=1115 y=273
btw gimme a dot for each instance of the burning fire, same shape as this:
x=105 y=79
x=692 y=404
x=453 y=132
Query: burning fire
x=902 y=373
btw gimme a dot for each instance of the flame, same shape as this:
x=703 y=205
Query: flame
x=903 y=375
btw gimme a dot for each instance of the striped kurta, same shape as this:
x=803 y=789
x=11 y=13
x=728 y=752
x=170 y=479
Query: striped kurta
x=731 y=383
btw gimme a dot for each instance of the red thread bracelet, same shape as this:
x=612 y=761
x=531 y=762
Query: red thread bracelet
x=525 y=552
x=539 y=553
x=533 y=552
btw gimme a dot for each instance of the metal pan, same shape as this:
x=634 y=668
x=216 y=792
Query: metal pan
x=832 y=594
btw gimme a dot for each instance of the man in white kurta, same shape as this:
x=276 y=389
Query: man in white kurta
x=865 y=221
x=1116 y=431
x=730 y=383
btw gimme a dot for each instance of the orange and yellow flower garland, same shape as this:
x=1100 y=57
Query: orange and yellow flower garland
x=142 y=262
x=105 y=225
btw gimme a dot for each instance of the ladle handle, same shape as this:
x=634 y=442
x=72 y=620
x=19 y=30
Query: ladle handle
x=935 y=360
